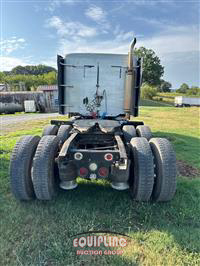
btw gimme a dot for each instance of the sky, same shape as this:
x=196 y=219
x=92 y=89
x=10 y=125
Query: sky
x=34 y=32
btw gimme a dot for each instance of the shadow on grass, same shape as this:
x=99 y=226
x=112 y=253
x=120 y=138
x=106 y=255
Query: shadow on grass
x=46 y=227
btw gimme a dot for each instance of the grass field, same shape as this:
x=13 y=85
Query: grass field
x=39 y=233
x=153 y=103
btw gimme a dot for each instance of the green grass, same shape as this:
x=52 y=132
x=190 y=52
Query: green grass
x=180 y=125
x=39 y=233
x=153 y=103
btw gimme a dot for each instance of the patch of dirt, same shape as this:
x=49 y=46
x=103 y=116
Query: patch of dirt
x=187 y=170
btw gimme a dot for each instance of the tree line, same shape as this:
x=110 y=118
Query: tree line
x=30 y=70
x=30 y=76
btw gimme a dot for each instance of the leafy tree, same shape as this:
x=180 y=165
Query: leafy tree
x=50 y=78
x=148 y=92
x=194 y=90
x=164 y=86
x=32 y=70
x=152 y=68
x=19 y=70
x=2 y=77
x=30 y=81
x=183 y=88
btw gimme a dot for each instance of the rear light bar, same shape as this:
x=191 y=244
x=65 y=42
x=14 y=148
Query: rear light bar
x=108 y=157
x=103 y=172
x=93 y=167
x=78 y=156
x=83 y=171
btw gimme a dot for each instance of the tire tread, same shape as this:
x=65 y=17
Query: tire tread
x=142 y=156
x=20 y=167
x=50 y=130
x=63 y=132
x=166 y=169
x=129 y=132
x=43 y=168
x=144 y=131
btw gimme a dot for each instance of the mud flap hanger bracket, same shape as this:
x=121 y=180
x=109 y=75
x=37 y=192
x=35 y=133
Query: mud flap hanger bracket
x=123 y=163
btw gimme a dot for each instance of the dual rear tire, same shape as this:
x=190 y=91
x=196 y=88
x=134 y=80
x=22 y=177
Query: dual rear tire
x=33 y=170
x=50 y=130
x=154 y=170
x=21 y=167
x=144 y=132
x=143 y=171
x=165 y=169
x=62 y=132
x=45 y=170
x=140 y=131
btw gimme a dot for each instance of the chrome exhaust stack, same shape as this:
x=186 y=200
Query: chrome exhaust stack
x=129 y=84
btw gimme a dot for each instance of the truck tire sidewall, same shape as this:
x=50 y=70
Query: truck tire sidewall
x=21 y=165
x=45 y=169
x=165 y=170
x=50 y=130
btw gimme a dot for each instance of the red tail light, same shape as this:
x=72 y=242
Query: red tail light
x=103 y=171
x=108 y=156
x=83 y=171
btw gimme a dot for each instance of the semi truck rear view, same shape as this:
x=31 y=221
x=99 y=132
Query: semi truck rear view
x=99 y=92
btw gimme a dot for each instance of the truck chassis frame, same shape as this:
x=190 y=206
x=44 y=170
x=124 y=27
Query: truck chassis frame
x=115 y=149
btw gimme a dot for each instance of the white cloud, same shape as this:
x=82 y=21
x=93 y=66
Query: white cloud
x=7 y=63
x=9 y=45
x=72 y=28
x=83 y=46
x=153 y=3
x=144 y=2
x=169 y=39
x=57 y=3
x=174 y=44
x=174 y=39
x=159 y=24
x=98 y=15
x=121 y=35
x=49 y=61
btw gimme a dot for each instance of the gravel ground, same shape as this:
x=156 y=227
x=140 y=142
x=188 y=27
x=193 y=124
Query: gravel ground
x=13 y=119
